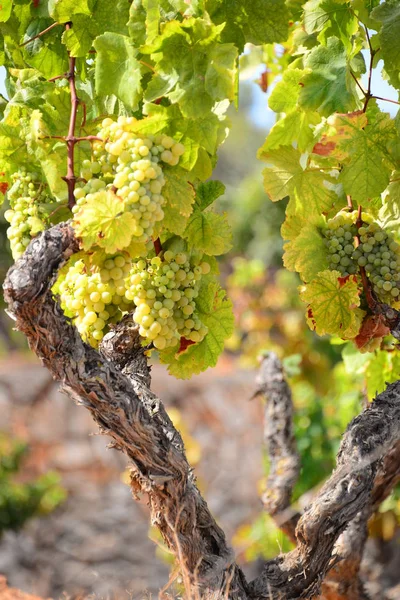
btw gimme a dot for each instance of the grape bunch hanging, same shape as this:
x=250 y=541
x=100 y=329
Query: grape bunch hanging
x=370 y=247
x=27 y=213
x=131 y=165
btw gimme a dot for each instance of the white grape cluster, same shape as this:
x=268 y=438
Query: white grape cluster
x=376 y=251
x=340 y=245
x=26 y=195
x=132 y=166
x=94 y=296
x=379 y=254
x=164 y=292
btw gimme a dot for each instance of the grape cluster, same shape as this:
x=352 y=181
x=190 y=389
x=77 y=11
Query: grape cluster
x=340 y=245
x=164 y=291
x=132 y=166
x=26 y=196
x=94 y=295
x=379 y=254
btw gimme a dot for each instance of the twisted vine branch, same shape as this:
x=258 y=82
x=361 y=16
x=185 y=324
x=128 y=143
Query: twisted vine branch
x=114 y=386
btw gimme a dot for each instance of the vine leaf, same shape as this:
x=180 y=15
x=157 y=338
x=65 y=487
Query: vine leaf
x=309 y=189
x=306 y=254
x=367 y=171
x=330 y=18
x=215 y=311
x=333 y=303
x=117 y=69
x=178 y=192
x=388 y=13
x=5 y=10
x=208 y=232
x=207 y=193
x=63 y=10
x=102 y=221
x=296 y=126
x=250 y=21
x=286 y=93
x=328 y=86
x=193 y=79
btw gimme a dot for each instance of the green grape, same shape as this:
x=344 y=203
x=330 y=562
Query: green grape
x=26 y=195
x=380 y=256
x=160 y=311
x=132 y=166
x=339 y=234
x=93 y=295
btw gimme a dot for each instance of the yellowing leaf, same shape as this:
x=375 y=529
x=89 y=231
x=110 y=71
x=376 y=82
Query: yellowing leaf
x=103 y=222
x=177 y=190
x=333 y=304
x=309 y=189
x=209 y=233
x=306 y=254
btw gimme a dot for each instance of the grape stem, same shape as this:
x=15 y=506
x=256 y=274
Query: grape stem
x=157 y=246
x=35 y=37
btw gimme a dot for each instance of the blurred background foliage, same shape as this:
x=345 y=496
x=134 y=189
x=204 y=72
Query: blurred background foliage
x=21 y=499
x=327 y=392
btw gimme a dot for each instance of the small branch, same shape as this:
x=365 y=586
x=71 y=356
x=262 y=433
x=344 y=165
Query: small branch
x=368 y=94
x=280 y=443
x=70 y=178
x=350 y=202
x=157 y=246
x=385 y=99
x=35 y=37
x=364 y=93
x=63 y=76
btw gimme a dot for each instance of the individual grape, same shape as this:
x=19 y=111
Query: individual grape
x=26 y=196
x=164 y=290
x=132 y=166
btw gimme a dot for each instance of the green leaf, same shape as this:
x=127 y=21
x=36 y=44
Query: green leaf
x=383 y=368
x=286 y=93
x=215 y=311
x=5 y=10
x=178 y=192
x=208 y=232
x=388 y=13
x=330 y=18
x=51 y=60
x=117 y=70
x=328 y=86
x=192 y=68
x=297 y=126
x=80 y=37
x=389 y=214
x=102 y=221
x=333 y=304
x=64 y=10
x=254 y=21
x=367 y=170
x=207 y=193
x=306 y=254
x=308 y=188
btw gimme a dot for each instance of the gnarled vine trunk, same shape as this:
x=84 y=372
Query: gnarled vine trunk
x=114 y=385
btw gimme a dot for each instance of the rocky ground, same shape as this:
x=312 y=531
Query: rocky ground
x=97 y=542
